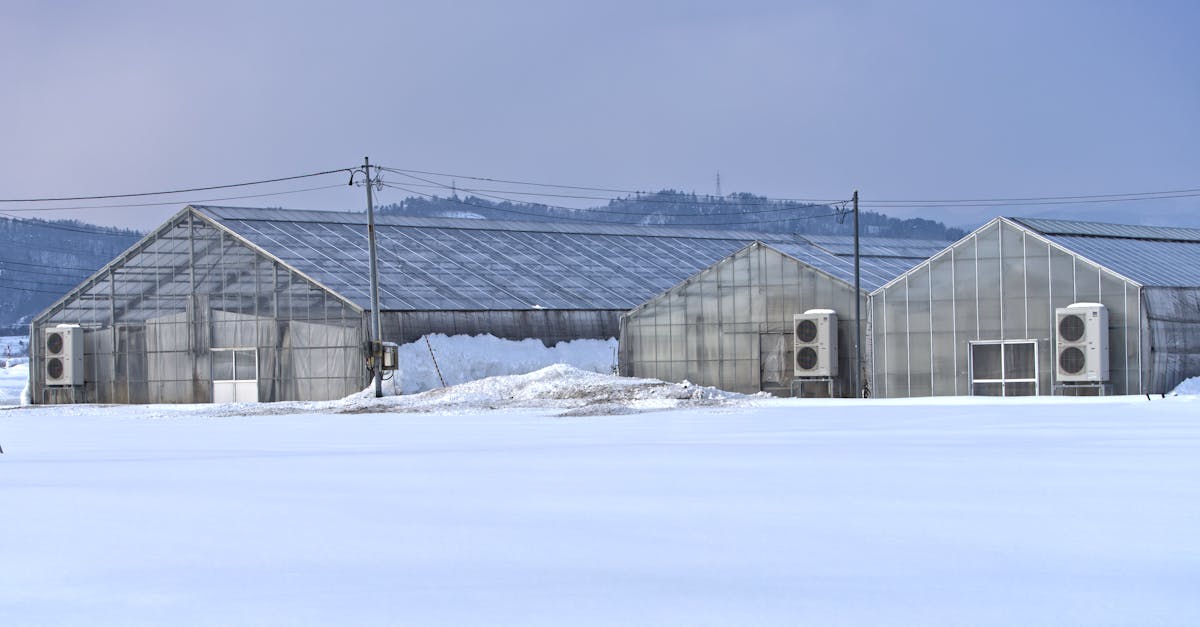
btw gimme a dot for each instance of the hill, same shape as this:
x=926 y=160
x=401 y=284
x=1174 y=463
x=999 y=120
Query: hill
x=41 y=259
x=674 y=208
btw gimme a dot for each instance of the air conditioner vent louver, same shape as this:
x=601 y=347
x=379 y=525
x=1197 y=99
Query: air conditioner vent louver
x=815 y=336
x=1081 y=343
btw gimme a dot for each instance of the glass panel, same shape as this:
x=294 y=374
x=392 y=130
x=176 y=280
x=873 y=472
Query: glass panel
x=989 y=278
x=920 y=333
x=1013 y=278
x=246 y=367
x=985 y=361
x=987 y=389
x=222 y=365
x=942 y=292
x=1019 y=361
x=1020 y=389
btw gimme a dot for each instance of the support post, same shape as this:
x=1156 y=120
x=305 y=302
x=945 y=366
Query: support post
x=376 y=328
x=857 y=374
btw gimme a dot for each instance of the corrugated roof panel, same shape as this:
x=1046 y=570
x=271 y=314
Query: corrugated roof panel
x=916 y=249
x=1148 y=262
x=1047 y=226
x=449 y=264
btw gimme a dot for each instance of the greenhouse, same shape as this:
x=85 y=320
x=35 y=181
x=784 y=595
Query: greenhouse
x=240 y=304
x=998 y=313
x=731 y=325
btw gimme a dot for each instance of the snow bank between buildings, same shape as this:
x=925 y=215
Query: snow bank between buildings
x=1187 y=386
x=559 y=386
x=463 y=358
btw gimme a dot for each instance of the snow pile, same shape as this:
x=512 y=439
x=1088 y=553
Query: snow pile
x=14 y=375
x=463 y=358
x=559 y=386
x=1187 y=386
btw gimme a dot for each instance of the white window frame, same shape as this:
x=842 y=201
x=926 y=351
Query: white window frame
x=1004 y=380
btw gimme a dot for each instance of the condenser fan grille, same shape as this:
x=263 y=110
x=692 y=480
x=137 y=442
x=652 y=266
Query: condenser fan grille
x=1071 y=360
x=806 y=331
x=54 y=343
x=54 y=368
x=1071 y=328
x=806 y=358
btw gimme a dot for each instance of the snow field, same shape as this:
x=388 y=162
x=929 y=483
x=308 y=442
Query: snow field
x=765 y=512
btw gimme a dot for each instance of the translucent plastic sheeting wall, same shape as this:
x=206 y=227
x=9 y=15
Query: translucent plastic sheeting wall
x=153 y=321
x=731 y=325
x=1000 y=284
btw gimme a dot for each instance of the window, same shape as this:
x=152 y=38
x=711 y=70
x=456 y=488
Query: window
x=234 y=364
x=1004 y=368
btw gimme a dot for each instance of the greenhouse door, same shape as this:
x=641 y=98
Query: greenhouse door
x=772 y=355
x=1004 y=368
x=235 y=375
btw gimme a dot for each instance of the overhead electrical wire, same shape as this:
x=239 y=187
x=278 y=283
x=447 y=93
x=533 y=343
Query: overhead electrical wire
x=165 y=204
x=604 y=222
x=179 y=191
x=723 y=200
x=776 y=209
x=866 y=203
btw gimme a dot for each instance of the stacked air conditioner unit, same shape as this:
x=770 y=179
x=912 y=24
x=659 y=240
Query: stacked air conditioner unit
x=816 y=343
x=1081 y=343
x=63 y=364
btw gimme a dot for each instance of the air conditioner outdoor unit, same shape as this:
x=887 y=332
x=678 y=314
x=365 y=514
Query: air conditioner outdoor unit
x=1081 y=343
x=63 y=364
x=816 y=343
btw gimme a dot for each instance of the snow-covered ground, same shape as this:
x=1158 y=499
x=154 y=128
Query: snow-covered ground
x=532 y=500
x=13 y=346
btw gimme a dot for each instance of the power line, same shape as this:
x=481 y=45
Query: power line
x=56 y=226
x=597 y=210
x=543 y=216
x=178 y=191
x=174 y=202
x=710 y=201
x=37 y=265
x=33 y=289
x=1036 y=198
x=878 y=203
x=409 y=172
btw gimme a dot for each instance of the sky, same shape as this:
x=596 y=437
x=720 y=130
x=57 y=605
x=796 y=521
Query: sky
x=786 y=99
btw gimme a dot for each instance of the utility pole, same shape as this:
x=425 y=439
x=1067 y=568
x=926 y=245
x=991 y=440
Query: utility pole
x=857 y=308
x=376 y=341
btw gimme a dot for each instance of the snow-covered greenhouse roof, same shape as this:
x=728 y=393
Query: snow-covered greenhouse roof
x=1154 y=256
x=464 y=264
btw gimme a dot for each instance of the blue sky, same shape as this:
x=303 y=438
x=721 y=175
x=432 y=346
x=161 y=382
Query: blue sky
x=785 y=99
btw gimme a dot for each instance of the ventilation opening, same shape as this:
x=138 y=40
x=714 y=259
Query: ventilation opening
x=54 y=343
x=1071 y=360
x=806 y=358
x=54 y=368
x=806 y=331
x=1071 y=328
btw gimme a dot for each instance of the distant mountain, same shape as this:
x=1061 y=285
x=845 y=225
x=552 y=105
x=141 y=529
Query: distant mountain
x=41 y=260
x=744 y=212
